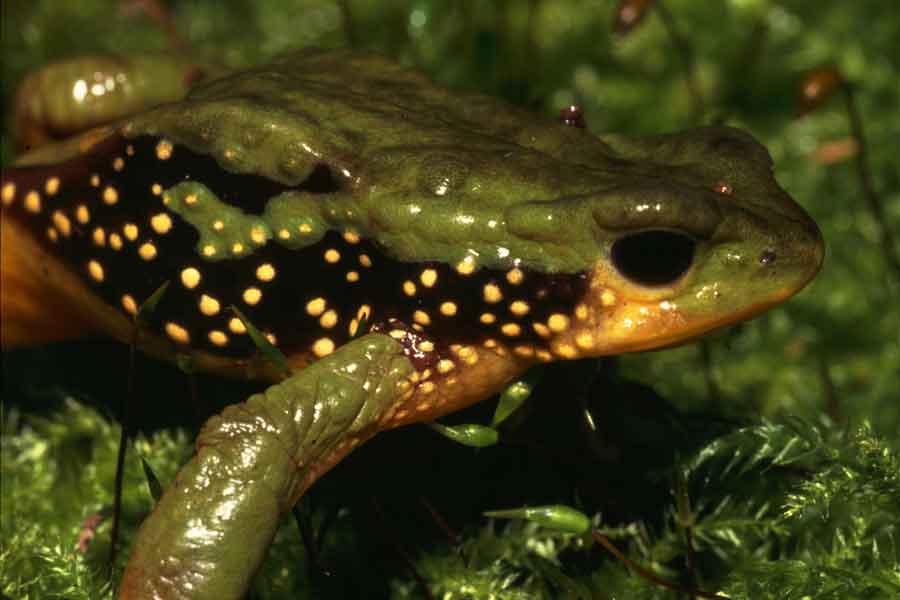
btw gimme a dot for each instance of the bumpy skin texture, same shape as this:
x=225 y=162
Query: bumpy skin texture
x=211 y=529
x=331 y=191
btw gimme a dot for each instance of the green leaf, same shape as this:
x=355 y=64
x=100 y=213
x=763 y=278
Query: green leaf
x=476 y=436
x=272 y=353
x=555 y=516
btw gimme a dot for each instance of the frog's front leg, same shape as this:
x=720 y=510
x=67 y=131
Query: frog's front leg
x=210 y=531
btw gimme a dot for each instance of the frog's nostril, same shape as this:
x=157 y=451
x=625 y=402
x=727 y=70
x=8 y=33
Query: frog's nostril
x=654 y=257
x=767 y=257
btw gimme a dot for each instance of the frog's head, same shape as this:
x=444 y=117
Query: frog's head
x=698 y=235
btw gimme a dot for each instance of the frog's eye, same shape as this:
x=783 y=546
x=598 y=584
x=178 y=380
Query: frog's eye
x=653 y=257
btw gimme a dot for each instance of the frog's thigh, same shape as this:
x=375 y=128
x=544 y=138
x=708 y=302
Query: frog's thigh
x=210 y=531
x=70 y=96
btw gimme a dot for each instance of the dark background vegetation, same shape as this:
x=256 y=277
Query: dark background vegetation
x=773 y=447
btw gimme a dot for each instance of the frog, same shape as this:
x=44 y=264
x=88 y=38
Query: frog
x=408 y=249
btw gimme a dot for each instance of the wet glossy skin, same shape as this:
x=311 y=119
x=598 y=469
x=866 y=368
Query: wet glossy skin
x=312 y=199
x=329 y=194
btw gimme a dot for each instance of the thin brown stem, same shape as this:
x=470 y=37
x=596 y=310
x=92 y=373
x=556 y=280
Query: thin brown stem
x=441 y=522
x=647 y=574
x=157 y=12
x=124 y=403
x=873 y=199
x=684 y=48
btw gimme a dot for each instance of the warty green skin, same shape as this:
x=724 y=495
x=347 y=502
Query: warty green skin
x=211 y=529
x=430 y=175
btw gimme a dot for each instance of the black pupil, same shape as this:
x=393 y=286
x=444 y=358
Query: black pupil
x=655 y=257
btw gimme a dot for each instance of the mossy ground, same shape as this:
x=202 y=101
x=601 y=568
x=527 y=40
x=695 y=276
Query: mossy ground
x=775 y=445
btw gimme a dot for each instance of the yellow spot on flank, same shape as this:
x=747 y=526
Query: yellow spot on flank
x=329 y=319
x=164 y=150
x=147 y=251
x=129 y=305
x=445 y=366
x=558 y=322
x=129 y=150
x=156 y=189
x=118 y=163
x=426 y=346
x=115 y=241
x=209 y=250
x=218 y=338
x=524 y=351
x=51 y=186
x=584 y=340
x=110 y=195
x=541 y=329
x=99 y=236
x=515 y=276
x=161 y=223
x=209 y=306
x=258 y=235
x=284 y=234
x=421 y=317
x=190 y=277
x=131 y=231
x=237 y=248
x=351 y=237
x=566 y=351
x=252 y=295
x=448 y=309
x=305 y=228
x=62 y=223
x=271 y=337
x=519 y=308
x=511 y=329
x=323 y=347
x=607 y=298
x=265 y=272
x=428 y=277
x=364 y=312
x=427 y=388
x=8 y=193
x=332 y=256
x=487 y=318
x=490 y=343
x=52 y=234
x=353 y=328
x=95 y=270
x=82 y=214
x=409 y=288
x=365 y=261
x=95 y=180
x=466 y=266
x=315 y=307
x=178 y=333
x=492 y=293
x=218 y=225
x=33 y=202
x=236 y=326
x=582 y=312
x=468 y=355
x=352 y=276
x=191 y=199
